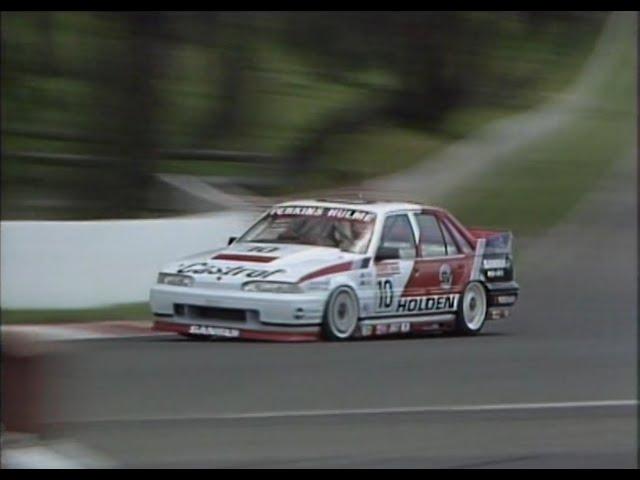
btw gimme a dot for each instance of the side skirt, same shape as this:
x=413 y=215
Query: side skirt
x=210 y=331
x=376 y=327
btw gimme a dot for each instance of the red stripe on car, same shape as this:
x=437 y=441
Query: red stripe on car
x=340 y=267
x=245 y=258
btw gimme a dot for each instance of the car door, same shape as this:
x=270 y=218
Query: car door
x=392 y=274
x=460 y=256
x=440 y=270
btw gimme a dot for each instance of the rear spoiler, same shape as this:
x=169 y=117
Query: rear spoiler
x=496 y=262
x=495 y=241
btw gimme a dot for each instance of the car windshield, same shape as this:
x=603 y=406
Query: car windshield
x=346 y=229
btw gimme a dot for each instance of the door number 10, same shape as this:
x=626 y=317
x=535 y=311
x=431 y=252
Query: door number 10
x=385 y=294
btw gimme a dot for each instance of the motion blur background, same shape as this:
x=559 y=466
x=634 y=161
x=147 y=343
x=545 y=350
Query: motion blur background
x=505 y=118
x=182 y=126
x=101 y=111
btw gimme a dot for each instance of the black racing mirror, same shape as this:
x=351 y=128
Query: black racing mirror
x=231 y=240
x=387 y=253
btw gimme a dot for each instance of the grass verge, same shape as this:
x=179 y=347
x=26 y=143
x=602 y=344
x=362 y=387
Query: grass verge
x=542 y=182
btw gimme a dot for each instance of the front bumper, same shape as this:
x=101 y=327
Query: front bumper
x=279 y=334
x=236 y=309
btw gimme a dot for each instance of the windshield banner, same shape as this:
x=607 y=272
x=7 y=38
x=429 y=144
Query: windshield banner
x=344 y=213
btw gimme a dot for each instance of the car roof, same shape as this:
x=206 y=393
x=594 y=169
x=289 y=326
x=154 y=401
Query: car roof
x=380 y=207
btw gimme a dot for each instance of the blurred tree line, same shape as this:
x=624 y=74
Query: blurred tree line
x=110 y=96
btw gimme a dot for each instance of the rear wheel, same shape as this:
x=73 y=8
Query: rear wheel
x=340 y=314
x=472 y=311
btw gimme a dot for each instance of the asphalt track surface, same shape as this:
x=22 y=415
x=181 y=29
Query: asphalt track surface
x=388 y=403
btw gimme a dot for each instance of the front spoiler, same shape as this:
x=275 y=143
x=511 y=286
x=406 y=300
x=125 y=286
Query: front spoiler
x=208 y=331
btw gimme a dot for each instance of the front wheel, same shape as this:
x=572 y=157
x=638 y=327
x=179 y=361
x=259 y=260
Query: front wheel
x=340 y=315
x=472 y=311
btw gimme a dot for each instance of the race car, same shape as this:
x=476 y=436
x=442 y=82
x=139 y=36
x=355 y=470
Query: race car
x=335 y=270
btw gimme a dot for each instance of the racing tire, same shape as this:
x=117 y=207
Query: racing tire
x=340 y=318
x=472 y=311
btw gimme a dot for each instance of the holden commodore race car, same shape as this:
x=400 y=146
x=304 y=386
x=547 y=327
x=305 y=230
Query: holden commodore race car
x=336 y=270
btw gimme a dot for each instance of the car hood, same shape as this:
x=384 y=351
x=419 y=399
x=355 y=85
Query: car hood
x=242 y=262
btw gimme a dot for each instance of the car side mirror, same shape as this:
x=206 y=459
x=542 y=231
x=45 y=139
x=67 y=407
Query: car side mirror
x=231 y=240
x=387 y=253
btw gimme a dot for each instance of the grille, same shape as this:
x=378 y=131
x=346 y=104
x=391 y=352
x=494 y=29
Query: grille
x=210 y=313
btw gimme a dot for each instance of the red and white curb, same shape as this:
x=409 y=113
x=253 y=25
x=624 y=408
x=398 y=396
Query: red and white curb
x=84 y=331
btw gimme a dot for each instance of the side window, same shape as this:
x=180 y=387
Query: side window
x=466 y=248
x=451 y=245
x=431 y=240
x=397 y=233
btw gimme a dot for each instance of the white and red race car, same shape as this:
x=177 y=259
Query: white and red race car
x=315 y=269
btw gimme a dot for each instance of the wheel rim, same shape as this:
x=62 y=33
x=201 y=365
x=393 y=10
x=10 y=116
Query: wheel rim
x=344 y=314
x=475 y=306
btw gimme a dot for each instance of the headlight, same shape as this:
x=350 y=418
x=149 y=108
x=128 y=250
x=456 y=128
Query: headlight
x=175 y=279
x=272 y=287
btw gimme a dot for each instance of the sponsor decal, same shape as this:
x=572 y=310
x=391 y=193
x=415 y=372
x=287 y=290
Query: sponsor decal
x=351 y=214
x=385 y=329
x=343 y=213
x=214 y=331
x=203 y=268
x=495 y=273
x=494 y=263
x=394 y=328
x=445 y=275
x=381 y=329
x=366 y=330
x=506 y=299
x=387 y=269
x=435 y=303
x=365 y=278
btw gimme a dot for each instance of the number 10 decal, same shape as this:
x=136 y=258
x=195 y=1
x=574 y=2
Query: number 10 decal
x=385 y=294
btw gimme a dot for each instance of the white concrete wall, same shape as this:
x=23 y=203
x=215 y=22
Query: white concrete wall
x=49 y=265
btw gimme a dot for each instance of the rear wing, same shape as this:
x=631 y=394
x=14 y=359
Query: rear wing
x=496 y=256
x=496 y=242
